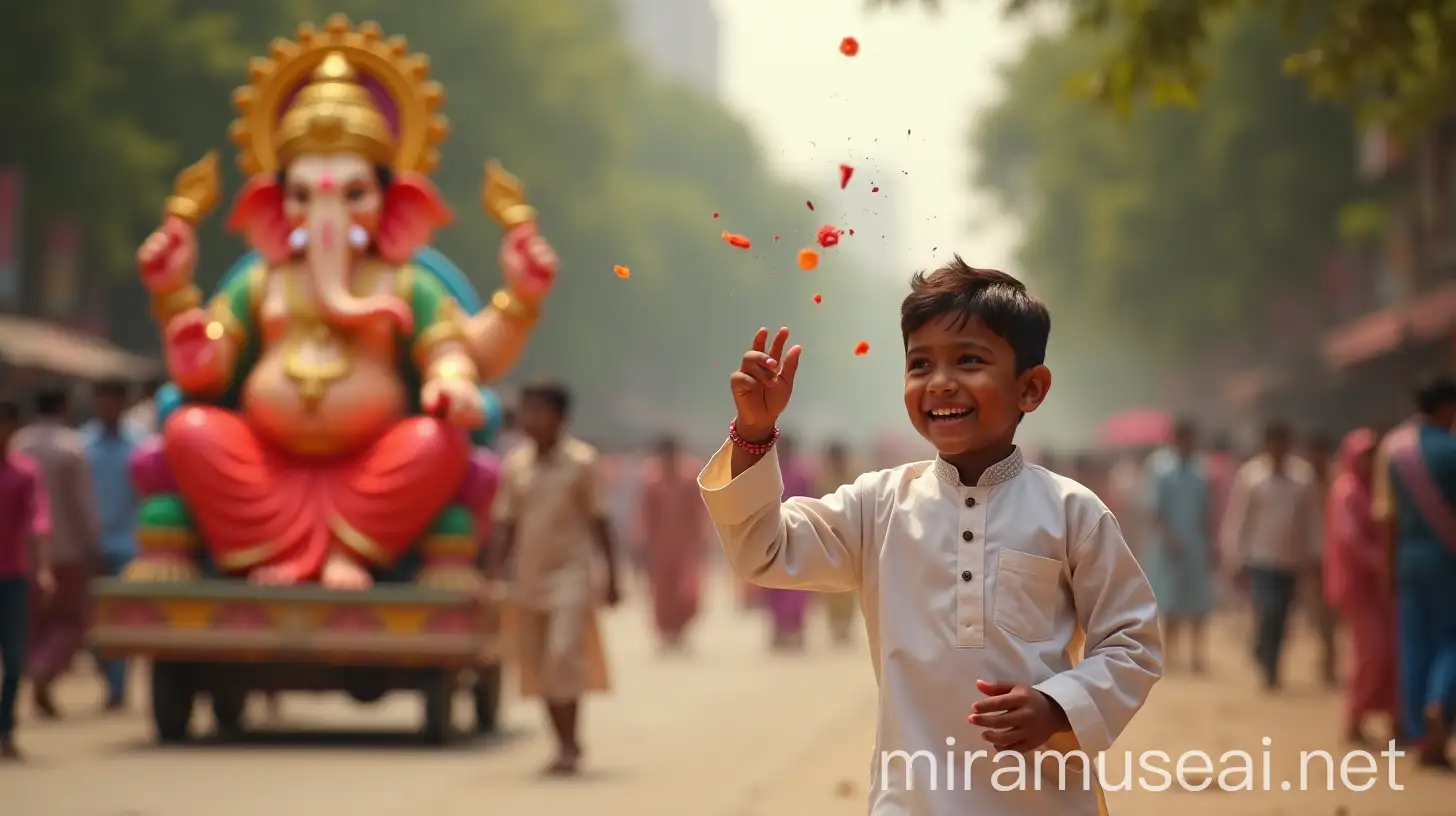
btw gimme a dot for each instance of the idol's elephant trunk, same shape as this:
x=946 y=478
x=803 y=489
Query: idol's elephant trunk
x=331 y=259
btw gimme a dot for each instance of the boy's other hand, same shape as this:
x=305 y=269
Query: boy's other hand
x=763 y=383
x=1016 y=717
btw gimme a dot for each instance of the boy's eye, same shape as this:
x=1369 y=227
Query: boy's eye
x=356 y=194
x=972 y=359
x=918 y=364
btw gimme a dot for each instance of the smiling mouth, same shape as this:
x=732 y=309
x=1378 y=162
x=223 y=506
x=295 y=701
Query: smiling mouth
x=948 y=414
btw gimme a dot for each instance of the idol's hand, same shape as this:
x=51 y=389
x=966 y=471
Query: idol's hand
x=167 y=258
x=457 y=401
x=528 y=264
x=762 y=385
x=195 y=357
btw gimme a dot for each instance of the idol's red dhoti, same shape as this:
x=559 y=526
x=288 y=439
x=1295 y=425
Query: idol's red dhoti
x=258 y=506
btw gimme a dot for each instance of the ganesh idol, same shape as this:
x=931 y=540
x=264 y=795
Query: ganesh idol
x=329 y=387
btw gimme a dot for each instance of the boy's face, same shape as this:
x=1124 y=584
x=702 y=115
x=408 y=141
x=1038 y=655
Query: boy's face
x=540 y=420
x=962 y=392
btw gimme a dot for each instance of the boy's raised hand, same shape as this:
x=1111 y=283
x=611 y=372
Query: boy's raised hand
x=763 y=383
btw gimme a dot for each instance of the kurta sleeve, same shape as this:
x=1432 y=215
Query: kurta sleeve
x=799 y=543
x=1236 y=517
x=38 y=506
x=593 y=485
x=504 y=507
x=1123 y=651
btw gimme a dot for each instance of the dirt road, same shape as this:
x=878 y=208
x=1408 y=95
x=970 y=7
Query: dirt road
x=726 y=731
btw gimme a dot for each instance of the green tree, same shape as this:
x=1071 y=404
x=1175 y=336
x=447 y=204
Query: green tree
x=1177 y=224
x=1395 y=60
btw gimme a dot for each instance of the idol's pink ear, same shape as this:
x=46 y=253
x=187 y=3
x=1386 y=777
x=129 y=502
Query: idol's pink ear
x=258 y=215
x=413 y=210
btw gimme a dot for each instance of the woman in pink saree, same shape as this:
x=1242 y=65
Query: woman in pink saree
x=674 y=541
x=1355 y=585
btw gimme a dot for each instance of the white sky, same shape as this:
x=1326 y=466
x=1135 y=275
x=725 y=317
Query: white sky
x=928 y=73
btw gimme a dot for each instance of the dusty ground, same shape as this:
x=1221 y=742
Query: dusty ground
x=728 y=731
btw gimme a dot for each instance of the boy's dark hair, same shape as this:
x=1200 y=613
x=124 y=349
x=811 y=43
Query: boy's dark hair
x=52 y=402
x=999 y=300
x=112 y=388
x=9 y=411
x=1434 y=393
x=550 y=392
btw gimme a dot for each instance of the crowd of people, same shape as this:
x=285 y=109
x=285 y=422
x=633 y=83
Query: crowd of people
x=1359 y=536
x=68 y=513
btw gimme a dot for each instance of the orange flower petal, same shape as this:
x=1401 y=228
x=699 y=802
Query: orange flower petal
x=622 y=271
x=861 y=348
x=808 y=259
x=734 y=239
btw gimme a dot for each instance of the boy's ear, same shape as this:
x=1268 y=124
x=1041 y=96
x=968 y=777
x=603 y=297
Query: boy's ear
x=1035 y=382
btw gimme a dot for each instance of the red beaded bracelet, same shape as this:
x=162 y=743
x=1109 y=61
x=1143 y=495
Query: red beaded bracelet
x=754 y=448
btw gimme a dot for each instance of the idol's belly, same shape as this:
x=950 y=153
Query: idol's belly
x=322 y=413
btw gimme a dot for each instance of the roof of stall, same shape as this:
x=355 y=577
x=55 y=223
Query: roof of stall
x=29 y=343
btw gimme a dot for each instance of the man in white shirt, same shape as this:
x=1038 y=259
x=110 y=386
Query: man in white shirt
x=1272 y=535
x=975 y=569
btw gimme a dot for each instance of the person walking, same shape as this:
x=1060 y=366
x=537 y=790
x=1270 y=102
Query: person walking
x=1272 y=536
x=58 y=624
x=1356 y=585
x=24 y=560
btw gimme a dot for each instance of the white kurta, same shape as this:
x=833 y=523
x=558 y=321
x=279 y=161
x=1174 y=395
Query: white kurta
x=960 y=583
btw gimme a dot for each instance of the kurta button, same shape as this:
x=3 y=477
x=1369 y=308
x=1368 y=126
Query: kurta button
x=967 y=535
x=967 y=576
x=970 y=501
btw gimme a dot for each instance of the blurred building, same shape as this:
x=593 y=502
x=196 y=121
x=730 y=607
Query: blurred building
x=678 y=38
x=1386 y=312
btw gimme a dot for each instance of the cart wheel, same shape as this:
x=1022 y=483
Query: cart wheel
x=439 y=696
x=173 y=690
x=227 y=712
x=487 y=698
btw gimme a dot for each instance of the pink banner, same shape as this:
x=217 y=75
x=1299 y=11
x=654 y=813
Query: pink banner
x=61 y=278
x=10 y=259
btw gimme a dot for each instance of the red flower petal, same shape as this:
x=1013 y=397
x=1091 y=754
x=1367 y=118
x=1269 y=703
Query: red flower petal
x=849 y=46
x=818 y=298
x=828 y=235
x=861 y=348
x=845 y=173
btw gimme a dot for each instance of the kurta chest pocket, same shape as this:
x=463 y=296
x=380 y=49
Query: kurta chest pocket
x=1027 y=590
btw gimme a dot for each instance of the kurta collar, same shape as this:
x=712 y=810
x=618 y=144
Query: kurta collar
x=999 y=473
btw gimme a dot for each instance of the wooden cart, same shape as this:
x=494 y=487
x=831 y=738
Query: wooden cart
x=224 y=639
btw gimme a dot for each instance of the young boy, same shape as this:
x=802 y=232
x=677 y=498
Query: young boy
x=977 y=571
x=550 y=516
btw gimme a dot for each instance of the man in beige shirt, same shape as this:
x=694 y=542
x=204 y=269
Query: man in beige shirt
x=1271 y=536
x=552 y=525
